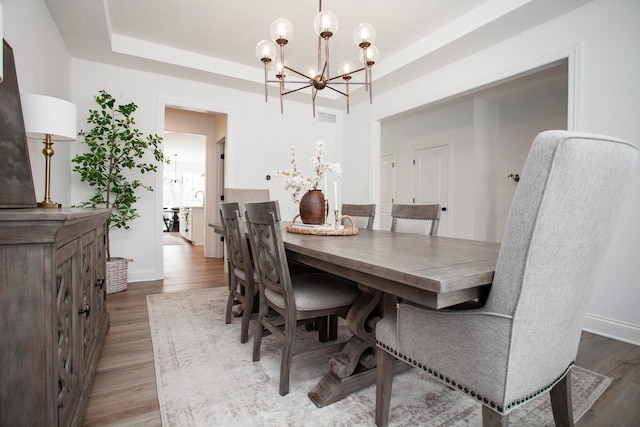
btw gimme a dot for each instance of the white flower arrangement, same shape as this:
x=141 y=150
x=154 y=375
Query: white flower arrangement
x=293 y=179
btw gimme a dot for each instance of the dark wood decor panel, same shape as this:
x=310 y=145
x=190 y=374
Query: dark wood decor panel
x=16 y=181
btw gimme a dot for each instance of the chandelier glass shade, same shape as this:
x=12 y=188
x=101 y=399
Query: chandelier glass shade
x=317 y=78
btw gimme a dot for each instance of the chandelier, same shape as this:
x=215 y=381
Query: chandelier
x=318 y=78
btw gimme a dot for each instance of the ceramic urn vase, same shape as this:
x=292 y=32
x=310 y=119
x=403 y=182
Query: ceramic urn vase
x=312 y=207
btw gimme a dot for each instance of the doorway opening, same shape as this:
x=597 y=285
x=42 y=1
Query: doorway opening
x=184 y=188
x=488 y=133
x=193 y=181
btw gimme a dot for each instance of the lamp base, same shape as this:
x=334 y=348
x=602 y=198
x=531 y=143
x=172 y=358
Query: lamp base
x=46 y=204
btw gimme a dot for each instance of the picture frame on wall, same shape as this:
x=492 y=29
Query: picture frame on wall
x=16 y=179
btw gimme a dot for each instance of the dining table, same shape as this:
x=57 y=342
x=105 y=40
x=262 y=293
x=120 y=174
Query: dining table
x=432 y=271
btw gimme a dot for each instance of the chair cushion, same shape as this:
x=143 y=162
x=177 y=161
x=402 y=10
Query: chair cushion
x=240 y=274
x=317 y=291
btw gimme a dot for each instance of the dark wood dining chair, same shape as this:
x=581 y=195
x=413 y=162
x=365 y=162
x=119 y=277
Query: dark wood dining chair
x=418 y=219
x=523 y=342
x=363 y=215
x=297 y=299
x=242 y=279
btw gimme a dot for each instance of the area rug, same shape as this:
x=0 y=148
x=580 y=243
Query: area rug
x=206 y=377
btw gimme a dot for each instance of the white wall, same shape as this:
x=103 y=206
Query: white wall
x=600 y=40
x=257 y=143
x=528 y=117
x=43 y=67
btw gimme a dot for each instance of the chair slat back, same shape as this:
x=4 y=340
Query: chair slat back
x=417 y=219
x=267 y=246
x=235 y=237
x=363 y=215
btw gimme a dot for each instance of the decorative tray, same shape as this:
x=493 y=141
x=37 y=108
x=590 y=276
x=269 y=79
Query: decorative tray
x=325 y=229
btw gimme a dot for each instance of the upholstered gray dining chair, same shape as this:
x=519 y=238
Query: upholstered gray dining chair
x=242 y=281
x=297 y=299
x=418 y=219
x=243 y=195
x=524 y=341
x=362 y=215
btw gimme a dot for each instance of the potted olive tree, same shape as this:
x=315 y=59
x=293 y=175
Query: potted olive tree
x=115 y=155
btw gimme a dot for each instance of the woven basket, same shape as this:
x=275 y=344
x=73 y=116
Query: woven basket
x=329 y=231
x=117 y=274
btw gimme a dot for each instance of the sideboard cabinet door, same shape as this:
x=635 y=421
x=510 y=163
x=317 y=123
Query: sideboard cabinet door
x=68 y=335
x=53 y=313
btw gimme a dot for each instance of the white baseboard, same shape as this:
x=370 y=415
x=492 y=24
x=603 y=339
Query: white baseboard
x=141 y=275
x=611 y=328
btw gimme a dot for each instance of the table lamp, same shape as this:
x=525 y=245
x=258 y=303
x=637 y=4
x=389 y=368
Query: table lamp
x=55 y=120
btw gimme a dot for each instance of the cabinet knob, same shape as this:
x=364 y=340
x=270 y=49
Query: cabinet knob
x=85 y=310
x=100 y=282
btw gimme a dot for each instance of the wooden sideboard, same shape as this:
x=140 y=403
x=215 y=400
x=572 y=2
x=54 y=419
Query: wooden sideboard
x=53 y=316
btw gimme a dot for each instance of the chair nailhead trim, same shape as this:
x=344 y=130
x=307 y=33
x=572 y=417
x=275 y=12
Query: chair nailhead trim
x=466 y=390
x=544 y=389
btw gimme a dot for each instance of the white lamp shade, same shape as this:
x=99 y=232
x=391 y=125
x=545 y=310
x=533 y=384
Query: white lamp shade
x=265 y=49
x=372 y=55
x=311 y=71
x=345 y=67
x=277 y=67
x=326 y=21
x=281 y=29
x=46 y=115
x=364 y=33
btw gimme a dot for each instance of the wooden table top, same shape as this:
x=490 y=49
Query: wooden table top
x=433 y=271
x=403 y=264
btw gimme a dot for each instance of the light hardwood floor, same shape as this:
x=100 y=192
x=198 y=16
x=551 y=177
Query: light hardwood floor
x=124 y=388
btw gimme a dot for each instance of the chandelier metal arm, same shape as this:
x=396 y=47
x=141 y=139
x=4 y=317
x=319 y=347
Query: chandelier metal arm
x=314 y=92
x=266 y=76
x=298 y=89
x=341 y=76
x=325 y=69
x=326 y=59
x=297 y=72
x=305 y=82
x=336 y=90
x=319 y=49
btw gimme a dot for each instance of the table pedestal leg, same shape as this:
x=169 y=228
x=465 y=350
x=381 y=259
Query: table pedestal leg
x=354 y=367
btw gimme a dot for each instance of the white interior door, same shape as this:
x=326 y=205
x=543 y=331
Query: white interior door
x=431 y=181
x=387 y=189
